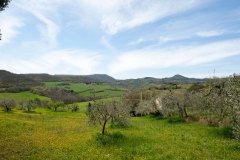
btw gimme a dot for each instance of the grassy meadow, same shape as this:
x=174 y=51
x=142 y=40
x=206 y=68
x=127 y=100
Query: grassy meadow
x=45 y=134
x=84 y=90
x=27 y=95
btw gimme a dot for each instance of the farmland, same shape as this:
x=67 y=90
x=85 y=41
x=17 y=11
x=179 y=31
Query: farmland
x=22 y=96
x=85 y=90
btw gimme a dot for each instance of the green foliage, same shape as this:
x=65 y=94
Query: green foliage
x=227 y=132
x=176 y=120
x=56 y=105
x=4 y=4
x=196 y=87
x=73 y=107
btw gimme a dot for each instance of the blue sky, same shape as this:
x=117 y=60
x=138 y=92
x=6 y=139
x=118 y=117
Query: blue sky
x=124 y=39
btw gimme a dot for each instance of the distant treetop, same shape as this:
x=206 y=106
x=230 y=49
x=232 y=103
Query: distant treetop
x=3 y=4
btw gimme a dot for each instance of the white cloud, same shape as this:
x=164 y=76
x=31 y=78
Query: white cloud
x=47 y=13
x=174 y=56
x=77 y=60
x=140 y=40
x=56 y=62
x=105 y=41
x=119 y=15
x=210 y=33
x=122 y=16
x=9 y=25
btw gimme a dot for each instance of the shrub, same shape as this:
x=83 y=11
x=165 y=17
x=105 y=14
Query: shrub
x=227 y=132
x=176 y=120
x=73 y=107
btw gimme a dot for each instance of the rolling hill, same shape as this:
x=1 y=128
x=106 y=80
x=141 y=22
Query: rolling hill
x=15 y=82
x=8 y=79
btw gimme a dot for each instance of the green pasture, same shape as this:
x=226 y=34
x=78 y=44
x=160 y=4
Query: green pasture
x=45 y=134
x=84 y=90
x=22 y=96
x=104 y=92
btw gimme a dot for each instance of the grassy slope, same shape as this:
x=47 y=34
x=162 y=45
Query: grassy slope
x=81 y=87
x=22 y=96
x=65 y=135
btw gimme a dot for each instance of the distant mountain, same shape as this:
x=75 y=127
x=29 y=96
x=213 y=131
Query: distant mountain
x=8 y=79
x=14 y=79
x=178 y=77
x=43 y=77
x=102 y=77
x=181 y=79
x=70 y=78
x=150 y=81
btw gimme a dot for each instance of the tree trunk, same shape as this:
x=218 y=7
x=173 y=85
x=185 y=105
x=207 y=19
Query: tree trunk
x=185 y=112
x=103 y=129
x=180 y=111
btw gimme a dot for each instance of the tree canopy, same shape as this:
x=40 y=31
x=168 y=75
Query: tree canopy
x=4 y=4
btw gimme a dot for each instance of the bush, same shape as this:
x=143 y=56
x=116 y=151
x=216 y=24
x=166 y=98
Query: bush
x=160 y=118
x=176 y=120
x=109 y=138
x=227 y=132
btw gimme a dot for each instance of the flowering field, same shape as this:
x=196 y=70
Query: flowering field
x=45 y=134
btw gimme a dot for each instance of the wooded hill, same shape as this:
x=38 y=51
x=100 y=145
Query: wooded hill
x=24 y=81
x=71 y=78
x=150 y=81
x=11 y=82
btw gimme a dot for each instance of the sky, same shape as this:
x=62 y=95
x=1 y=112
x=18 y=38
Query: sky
x=122 y=38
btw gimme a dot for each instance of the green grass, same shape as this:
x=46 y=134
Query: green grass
x=84 y=90
x=45 y=134
x=22 y=96
x=184 y=86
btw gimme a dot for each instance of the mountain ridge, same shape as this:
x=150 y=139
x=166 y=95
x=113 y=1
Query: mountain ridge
x=94 y=78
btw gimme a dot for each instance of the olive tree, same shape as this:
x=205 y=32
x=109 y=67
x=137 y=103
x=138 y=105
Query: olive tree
x=8 y=104
x=73 y=107
x=233 y=100
x=222 y=101
x=102 y=111
x=175 y=101
x=56 y=105
x=30 y=105
x=151 y=106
